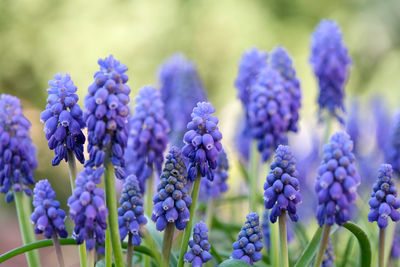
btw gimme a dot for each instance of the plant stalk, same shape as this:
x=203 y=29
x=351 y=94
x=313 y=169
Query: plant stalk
x=108 y=248
x=254 y=159
x=381 y=251
x=328 y=127
x=167 y=242
x=274 y=240
x=210 y=213
x=283 y=240
x=322 y=245
x=129 y=253
x=59 y=254
x=148 y=206
x=91 y=257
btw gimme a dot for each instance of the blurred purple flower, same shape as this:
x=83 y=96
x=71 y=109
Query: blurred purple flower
x=199 y=246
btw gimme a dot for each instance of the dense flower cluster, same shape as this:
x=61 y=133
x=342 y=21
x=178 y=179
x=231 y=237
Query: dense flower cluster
x=199 y=246
x=172 y=201
x=106 y=114
x=181 y=89
x=249 y=243
x=203 y=142
x=266 y=231
x=242 y=140
x=131 y=213
x=62 y=118
x=393 y=148
x=281 y=190
x=337 y=181
x=47 y=215
x=147 y=135
x=17 y=153
x=384 y=202
x=87 y=208
x=353 y=125
x=331 y=64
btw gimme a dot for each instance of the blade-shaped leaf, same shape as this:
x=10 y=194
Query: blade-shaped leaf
x=363 y=241
x=234 y=263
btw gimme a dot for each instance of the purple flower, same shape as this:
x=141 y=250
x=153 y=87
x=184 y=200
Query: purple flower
x=384 y=202
x=352 y=125
x=106 y=114
x=130 y=212
x=147 y=135
x=329 y=255
x=47 y=216
x=199 y=246
x=249 y=243
x=17 y=153
x=87 y=208
x=62 y=118
x=281 y=190
x=181 y=89
x=242 y=140
x=203 y=142
x=331 y=64
x=337 y=181
x=395 y=252
x=172 y=201
x=392 y=154
x=382 y=120
x=266 y=231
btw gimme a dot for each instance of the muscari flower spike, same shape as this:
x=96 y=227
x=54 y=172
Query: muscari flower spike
x=199 y=246
x=181 y=89
x=392 y=153
x=62 y=118
x=329 y=256
x=384 y=202
x=47 y=215
x=147 y=135
x=249 y=243
x=337 y=181
x=106 y=115
x=131 y=213
x=242 y=140
x=266 y=231
x=172 y=201
x=202 y=142
x=331 y=64
x=87 y=208
x=17 y=153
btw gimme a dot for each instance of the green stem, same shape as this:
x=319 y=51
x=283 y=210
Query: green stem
x=188 y=229
x=112 y=218
x=26 y=227
x=283 y=240
x=328 y=128
x=148 y=206
x=322 y=245
x=274 y=239
x=129 y=253
x=381 y=251
x=59 y=254
x=108 y=248
x=210 y=213
x=91 y=257
x=254 y=158
x=167 y=241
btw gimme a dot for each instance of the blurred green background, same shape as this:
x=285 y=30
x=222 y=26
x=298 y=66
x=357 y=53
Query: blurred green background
x=40 y=38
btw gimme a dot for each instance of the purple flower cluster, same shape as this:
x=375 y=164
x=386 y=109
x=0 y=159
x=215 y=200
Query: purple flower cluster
x=281 y=190
x=331 y=63
x=106 y=114
x=199 y=246
x=17 y=153
x=242 y=140
x=87 y=208
x=172 y=201
x=62 y=118
x=47 y=215
x=131 y=213
x=203 y=142
x=353 y=124
x=249 y=243
x=384 y=202
x=266 y=231
x=329 y=256
x=181 y=89
x=393 y=148
x=337 y=181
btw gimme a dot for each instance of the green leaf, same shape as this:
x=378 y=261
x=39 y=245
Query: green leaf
x=234 y=263
x=309 y=252
x=216 y=255
x=363 y=241
x=347 y=252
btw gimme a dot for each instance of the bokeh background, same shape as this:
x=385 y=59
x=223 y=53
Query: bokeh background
x=40 y=38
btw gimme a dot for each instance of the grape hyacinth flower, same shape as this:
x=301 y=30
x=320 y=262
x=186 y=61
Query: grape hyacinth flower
x=199 y=246
x=47 y=215
x=395 y=251
x=202 y=142
x=181 y=89
x=249 y=243
x=384 y=202
x=172 y=201
x=242 y=140
x=329 y=256
x=87 y=208
x=393 y=148
x=337 y=181
x=131 y=213
x=331 y=64
x=106 y=114
x=17 y=153
x=353 y=124
x=62 y=118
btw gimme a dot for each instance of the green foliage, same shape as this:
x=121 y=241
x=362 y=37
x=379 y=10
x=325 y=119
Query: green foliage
x=234 y=263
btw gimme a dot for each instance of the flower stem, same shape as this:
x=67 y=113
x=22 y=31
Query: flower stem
x=274 y=239
x=381 y=252
x=59 y=254
x=91 y=257
x=188 y=229
x=167 y=241
x=322 y=245
x=108 y=248
x=112 y=219
x=283 y=240
x=26 y=227
x=328 y=127
x=148 y=206
x=254 y=158
x=129 y=253
x=210 y=213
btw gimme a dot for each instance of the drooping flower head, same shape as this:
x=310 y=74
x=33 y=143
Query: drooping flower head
x=392 y=154
x=281 y=190
x=172 y=201
x=181 y=90
x=203 y=142
x=87 y=208
x=384 y=202
x=47 y=215
x=17 y=153
x=249 y=243
x=331 y=64
x=199 y=246
x=337 y=181
x=62 y=118
x=106 y=114
x=131 y=213
x=266 y=231
x=147 y=135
